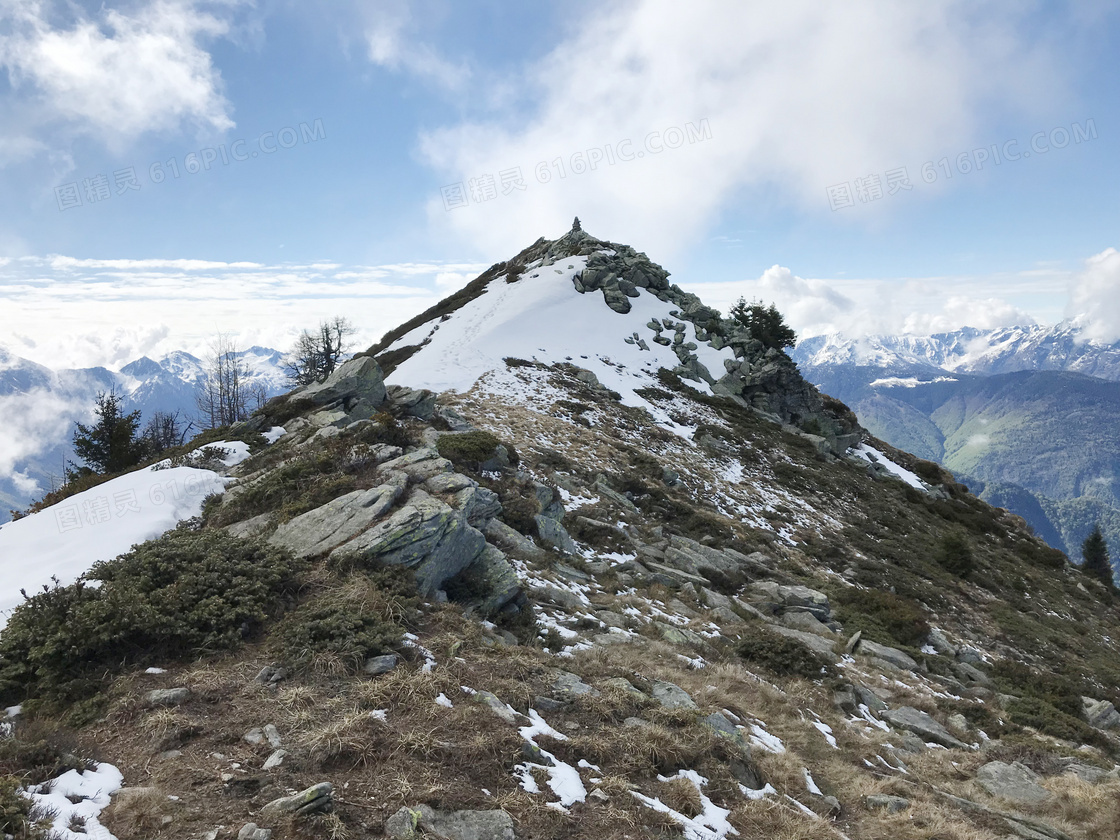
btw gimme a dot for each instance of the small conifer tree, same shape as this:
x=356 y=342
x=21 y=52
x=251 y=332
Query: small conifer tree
x=764 y=323
x=111 y=444
x=1095 y=553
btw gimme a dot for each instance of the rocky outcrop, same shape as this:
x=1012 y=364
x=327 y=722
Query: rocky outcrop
x=1014 y=782
x=356 y=388
x=325 y=528
x=910 y=719
x=426 y=535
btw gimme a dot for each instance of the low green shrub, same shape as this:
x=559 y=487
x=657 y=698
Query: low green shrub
x=1043 y=716
x=782 y=656
x=384 y=428
x=1059 y=692
x=294 y=488
x=19 y=817
x=344 y=626
x=954 y=554
x=470 y=450
x=882 y=616
x=167 y=599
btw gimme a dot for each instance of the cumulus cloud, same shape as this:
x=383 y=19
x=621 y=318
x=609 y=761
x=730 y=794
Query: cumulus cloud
x=119 y=74
x=25 y=484
x=855 y=307
x=1095 y=297
x=90 y=312
x=800 y=95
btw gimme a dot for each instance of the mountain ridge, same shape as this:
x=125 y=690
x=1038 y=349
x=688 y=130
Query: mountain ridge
x=536 y=605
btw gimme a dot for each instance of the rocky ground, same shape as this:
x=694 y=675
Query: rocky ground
x=622 y=623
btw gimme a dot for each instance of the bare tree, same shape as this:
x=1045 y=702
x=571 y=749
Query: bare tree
x=165 y=431
x=224 y=392
x=317 y=354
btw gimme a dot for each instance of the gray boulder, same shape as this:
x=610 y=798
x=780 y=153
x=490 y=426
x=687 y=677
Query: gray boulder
x=329 y=526
x=1014 y=782
x=888 y=654
x=377 y=665
x=922 y=725
x=776 y=598
x=424 y=535
x=412 y=402
x=168 y=696
x=568 y=685
x=249 y=831
x=824 y=648
x=477 y=504
x=317 y=798
x=1100 y=713
x=423 y=820
x=670 y=695
x=553 y=534
x=358 y=381
x=492 y=576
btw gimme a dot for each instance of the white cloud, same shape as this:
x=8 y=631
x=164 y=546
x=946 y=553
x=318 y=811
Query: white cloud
x=120 y=74
x=801 y=95
x=390 y=44
x=25 y=484
x=883 y=307
x=34 y=423
x=1095 y=296
x=87 y=312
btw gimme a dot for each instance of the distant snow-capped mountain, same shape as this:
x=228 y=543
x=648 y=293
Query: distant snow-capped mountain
x=1062 y=347
x=44 y=404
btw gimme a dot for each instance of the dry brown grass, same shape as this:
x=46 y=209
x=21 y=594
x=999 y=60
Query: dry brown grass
x=137 y=813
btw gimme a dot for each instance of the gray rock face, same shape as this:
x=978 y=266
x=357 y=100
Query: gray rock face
x=412 y=402
x=249 y=831
x=329 y=526
x=358 y=381
x=477 y=504
x=168 y=696
x=922 y=725
x=409 y=823
x=317 y=798
x=671 y=696
x=1100 y=713
x=568 y=685
x=420 y=465
x=824 y=648
x=775 y=598
x=1012 y=781
x=492 y=575
x=808 y=623
x=940 y=643
x=553 y=534
x=425 y=535
x=888 y=654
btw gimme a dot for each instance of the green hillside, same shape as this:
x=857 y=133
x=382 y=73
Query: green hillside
x=1040 y=443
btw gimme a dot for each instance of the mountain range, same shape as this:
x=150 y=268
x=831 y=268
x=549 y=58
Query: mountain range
x=1023 y=415
x=44 y=404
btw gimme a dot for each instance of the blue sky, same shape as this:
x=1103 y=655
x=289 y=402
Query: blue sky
x=733 y=129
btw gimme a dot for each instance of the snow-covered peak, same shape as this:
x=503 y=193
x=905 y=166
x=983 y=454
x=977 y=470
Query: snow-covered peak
x=969 y=350
x=541 y=317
